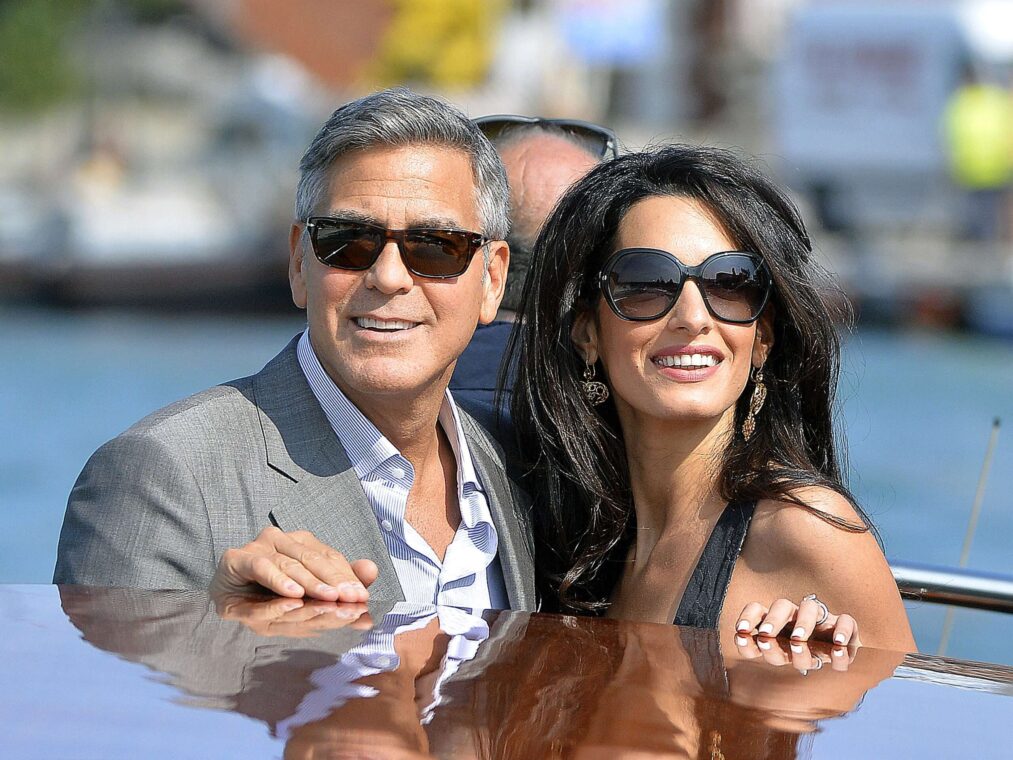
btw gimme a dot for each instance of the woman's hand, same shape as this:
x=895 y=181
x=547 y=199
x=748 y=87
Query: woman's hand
x=801 y=622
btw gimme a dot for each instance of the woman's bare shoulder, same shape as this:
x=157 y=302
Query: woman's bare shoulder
x=830 y=525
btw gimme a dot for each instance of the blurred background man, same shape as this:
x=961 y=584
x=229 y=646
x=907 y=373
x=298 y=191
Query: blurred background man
x=543 y=157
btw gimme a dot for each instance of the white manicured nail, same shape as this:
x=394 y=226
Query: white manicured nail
x=839 y=638
x=798 y=633
x=763 y=644
x=838 y=652
x=743 y=625
x=766 y=628
x=796 y=648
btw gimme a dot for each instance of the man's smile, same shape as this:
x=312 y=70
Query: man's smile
x=376 y=324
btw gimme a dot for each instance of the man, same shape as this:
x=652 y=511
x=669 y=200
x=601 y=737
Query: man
x=347 y=444
x=543 y=157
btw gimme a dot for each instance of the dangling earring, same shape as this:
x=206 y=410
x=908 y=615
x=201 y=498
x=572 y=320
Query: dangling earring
x=755 y=404
x=594 y=391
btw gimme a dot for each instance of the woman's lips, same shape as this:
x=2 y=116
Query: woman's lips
x=688 y=364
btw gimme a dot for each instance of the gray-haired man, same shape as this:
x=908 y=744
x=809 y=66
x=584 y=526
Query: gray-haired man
x=347 y=444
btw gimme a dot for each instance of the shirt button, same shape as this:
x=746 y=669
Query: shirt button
x=387 y=525
x=397 y=473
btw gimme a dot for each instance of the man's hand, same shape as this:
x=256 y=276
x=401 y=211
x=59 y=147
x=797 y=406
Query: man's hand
x=294 y=565
x=294 y=618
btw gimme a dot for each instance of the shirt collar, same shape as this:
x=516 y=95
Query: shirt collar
x=367 y=448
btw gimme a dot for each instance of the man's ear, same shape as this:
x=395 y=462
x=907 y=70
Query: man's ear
x=495 y=279
x=296 y=273
x=584 y=335
x=763 y=343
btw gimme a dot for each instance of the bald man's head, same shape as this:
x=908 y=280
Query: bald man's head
x=540 y=164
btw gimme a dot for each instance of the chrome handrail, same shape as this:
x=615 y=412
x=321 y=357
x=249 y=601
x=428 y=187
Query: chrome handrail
x=951 y=585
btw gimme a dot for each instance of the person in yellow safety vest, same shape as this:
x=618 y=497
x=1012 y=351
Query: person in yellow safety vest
x=978 y=125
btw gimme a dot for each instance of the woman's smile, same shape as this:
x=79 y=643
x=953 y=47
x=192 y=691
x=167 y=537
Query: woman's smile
x=689 y=363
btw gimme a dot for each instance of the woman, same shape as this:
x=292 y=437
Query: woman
x=678 y=363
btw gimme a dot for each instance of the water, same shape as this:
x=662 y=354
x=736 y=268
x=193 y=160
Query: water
x=917 y=407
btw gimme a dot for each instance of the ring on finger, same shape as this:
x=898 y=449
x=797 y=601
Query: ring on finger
x=824 y=610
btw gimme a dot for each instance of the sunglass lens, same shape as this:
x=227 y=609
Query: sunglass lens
x=437 y=253
x=594 y=142
x=644 y=285
x=735 y=286
x=347 y=245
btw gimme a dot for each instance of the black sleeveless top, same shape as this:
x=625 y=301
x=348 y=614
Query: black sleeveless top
x=705 y=593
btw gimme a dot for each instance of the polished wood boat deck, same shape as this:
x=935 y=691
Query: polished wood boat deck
x=106 y=673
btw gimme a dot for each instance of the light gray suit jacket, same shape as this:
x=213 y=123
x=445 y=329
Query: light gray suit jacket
x=158 y=505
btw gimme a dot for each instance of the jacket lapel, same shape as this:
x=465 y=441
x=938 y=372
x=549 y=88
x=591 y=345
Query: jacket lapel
x=325 y=496
x=509 y=506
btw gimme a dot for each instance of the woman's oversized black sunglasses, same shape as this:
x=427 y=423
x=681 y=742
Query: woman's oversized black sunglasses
x=601 y=141
x=642 y=284
x=426 y=252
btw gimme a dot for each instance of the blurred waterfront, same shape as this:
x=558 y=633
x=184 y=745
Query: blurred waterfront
x=150 y=146
x=917 y=408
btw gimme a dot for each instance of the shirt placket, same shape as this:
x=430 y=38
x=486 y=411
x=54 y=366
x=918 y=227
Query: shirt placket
x=469 y=554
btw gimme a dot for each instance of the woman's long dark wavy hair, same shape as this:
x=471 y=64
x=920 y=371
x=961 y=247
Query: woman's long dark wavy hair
x=575 y=453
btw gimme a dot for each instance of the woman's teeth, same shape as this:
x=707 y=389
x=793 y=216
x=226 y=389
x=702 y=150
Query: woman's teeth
x=690 y=361
x=384 y=324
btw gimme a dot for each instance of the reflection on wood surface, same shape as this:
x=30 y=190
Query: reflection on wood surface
x=416 y=681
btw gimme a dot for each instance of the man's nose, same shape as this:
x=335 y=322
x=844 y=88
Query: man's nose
x=689 y=313
x=389 y=273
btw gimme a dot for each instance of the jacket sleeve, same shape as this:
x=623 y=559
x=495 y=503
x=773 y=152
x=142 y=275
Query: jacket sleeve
x=136 y=518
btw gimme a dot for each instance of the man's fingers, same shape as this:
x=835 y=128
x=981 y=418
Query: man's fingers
x=239 y=569
x=336 y=581
x=316 y=617
x=244 y=607
x=294 y=565
x=366 y=571
x=256 y=568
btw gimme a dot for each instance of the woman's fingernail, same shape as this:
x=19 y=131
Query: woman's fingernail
x=796 y=648
x=767 y=628
x=763 y=644
x=743 y=625
x=798 y=633
x=838 y=652
x=839 y=638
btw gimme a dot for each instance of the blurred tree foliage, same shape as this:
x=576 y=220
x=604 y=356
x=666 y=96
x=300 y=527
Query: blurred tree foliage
x=35 y=72
x=446 y=43
x=35 y=36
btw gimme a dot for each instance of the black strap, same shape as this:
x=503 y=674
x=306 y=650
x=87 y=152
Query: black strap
x=705 y=593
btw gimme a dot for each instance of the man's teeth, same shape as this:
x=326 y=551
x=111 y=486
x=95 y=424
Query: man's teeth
x=383 y=324
x=687 y=360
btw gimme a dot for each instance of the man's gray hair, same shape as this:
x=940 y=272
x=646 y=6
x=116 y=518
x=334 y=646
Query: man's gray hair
x=399 y=117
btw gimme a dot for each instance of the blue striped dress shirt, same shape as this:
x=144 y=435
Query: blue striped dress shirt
x=470 y=575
